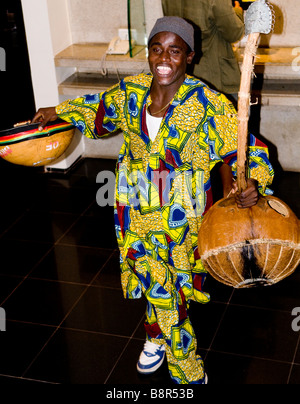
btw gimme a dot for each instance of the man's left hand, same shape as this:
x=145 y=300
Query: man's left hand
x=247 y=198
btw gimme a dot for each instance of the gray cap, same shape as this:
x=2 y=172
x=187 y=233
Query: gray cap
x=176 y=25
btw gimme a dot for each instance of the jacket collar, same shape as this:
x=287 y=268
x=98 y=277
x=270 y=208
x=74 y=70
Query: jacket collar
x=189 y=86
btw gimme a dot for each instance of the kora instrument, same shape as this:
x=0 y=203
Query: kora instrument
x=27 y=146
x=260 y=245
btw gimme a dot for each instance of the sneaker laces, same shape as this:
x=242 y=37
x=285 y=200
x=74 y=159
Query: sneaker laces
x=151 y=348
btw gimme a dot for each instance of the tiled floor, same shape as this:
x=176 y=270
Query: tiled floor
x=67 y=321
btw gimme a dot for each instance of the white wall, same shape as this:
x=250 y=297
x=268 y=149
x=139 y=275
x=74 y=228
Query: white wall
x=40 y=50
x=287 y=28
x=47 y=31
x=59 y=19
x=98 y=20
x=153 y=11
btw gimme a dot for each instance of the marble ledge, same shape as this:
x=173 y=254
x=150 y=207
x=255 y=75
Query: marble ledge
x=92 y=57
x=274 y=63
x=267 y=56
x=271 y=93
x=95 y=51
x=79 y=84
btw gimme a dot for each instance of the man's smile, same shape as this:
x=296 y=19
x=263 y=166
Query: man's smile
x=164 y=70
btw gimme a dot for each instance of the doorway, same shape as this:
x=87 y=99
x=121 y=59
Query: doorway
x=16 y=97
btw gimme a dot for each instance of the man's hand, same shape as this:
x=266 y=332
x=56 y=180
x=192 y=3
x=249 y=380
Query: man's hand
x=45 y=115
x=247 y=198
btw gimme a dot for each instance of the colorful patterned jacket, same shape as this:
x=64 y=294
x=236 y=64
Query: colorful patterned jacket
x=163 y=188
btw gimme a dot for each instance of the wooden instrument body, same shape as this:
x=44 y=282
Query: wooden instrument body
x=250 y=247
x=27 y=146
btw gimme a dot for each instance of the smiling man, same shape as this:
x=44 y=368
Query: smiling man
x=169 y=54
x=176 y=129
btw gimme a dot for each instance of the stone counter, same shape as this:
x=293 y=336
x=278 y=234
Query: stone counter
x=91 y=57
x=274 y=63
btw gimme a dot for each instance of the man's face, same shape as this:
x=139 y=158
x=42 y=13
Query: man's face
x=168 y=58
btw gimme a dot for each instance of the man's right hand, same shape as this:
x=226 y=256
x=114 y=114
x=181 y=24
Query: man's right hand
x=45 y=115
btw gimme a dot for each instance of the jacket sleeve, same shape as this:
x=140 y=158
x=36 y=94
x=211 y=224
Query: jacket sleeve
x=223 y=147
x=81 y=112
x=94 y=115
x=229 y=23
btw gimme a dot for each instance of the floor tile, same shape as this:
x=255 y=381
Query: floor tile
x=105 y=310
x=8 y=284
x=19 y=257
x=256 y=332
x=205 y=320
x=11 y=216
x=19 y=344
x=42 y=302
x=41 y=226
x=217 y=291
x=72 y=264
x=13 y=380
x=282 y=296
x=100 y=212
x=90 y=168
x=228 y=369
x=297 y=332
x=91 y=232
x=295 y=375
x=77 y=357
x=64 y=200
x=110 y=274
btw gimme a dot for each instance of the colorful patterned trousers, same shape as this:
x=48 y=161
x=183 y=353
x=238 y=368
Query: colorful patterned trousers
x=174 y=329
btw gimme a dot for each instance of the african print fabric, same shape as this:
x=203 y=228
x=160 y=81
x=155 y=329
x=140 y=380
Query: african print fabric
x=173 y=329
x=163 y=187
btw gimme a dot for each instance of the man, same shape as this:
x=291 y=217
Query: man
x=175 y=130
x=219 y=25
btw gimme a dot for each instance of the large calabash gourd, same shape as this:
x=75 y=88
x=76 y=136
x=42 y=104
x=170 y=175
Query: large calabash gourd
x=250 y=247
x=258 y=245
x=27 y=146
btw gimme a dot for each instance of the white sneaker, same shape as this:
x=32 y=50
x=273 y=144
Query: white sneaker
x=151 y=358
